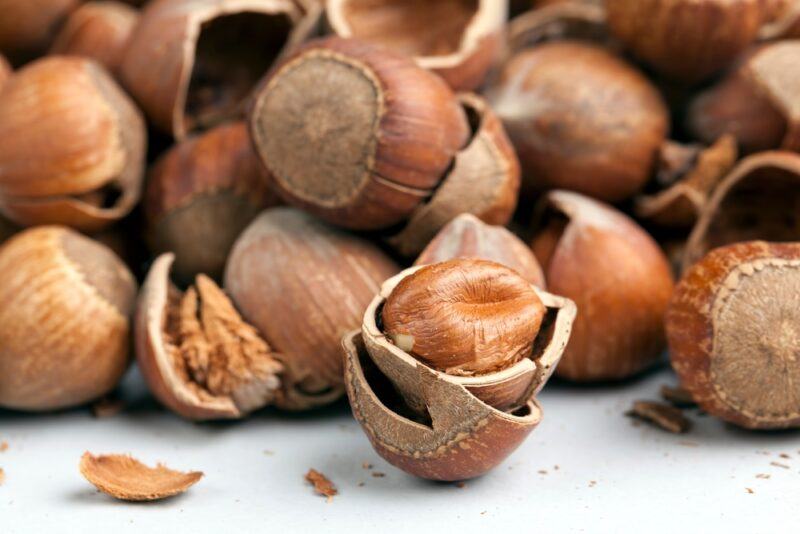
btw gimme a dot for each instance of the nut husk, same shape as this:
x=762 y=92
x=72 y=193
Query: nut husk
x=200 y=195
x=484 y=181
x=459 y=41
x=191 y=64
x=64 y=322
x=98 y=30
x=27 y=27
x=466 y=236
x=733 y=337
x=355 y=134
x=757 y=200
x=619 y=279
x=72 y=146
x=581 y=119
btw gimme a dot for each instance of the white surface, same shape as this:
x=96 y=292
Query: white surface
x=645 y=480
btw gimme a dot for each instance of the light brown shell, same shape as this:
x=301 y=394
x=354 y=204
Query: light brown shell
x=64 y=322
x=157 y=67
x=758 y=200
x=126 y=478
x=67 y=131
x=506 y=390
x=484 y=181
x=463 y=64
x=465 y=437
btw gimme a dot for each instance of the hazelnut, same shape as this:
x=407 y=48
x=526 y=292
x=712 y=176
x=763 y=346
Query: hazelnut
x=580 y=119
x=459 y=41
x=712 y=33
x=758 y=102
x=484 y=181
x=72 y=146
x=733 y=334
x=466 y=236
x=98 y=30
x=460 y=424
x=759 y=199
x=191 y=64
x=690 y=174
x=28 y=27
x=355 y=134
x=293 y=287
x=619 y=279
x=64 y=321
x=200 y=195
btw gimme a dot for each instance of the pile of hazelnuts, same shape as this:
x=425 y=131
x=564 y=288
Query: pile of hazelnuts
x=430 y=207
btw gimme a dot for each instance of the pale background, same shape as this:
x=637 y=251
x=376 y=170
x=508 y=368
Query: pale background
x=612 y=476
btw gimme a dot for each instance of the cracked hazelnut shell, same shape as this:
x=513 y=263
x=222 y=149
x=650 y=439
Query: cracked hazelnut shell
x=98 y=30
x=733 y=334
x=72 y=146
x=200 y=195
x=440 y=426
x=687 y=40
x=459 y=41
x=484 y=181
x=356 y=134
x=191 y=64
x=758 y=199
x=27 y=27
x=466 y=236
x=617 y=276
x=64 y=322
x=758 y=102
x=581 y=119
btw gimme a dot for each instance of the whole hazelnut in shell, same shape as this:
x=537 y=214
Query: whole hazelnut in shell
x=28 y=27
x=65 y=319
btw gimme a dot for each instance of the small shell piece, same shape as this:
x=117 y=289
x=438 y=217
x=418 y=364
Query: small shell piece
x=126 y=478
x=460 y=41
x=733 y=334
x=64 y=322
x=72 y=146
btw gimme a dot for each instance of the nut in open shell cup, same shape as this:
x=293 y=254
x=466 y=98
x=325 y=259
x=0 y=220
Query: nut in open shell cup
x=439 y=426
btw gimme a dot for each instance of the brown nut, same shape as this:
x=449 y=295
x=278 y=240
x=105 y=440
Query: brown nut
x=466 y=236
x=64 y=322
x=464 y=317
x=72 y=146
x=733 y=334
x=484 y=181
x=758 y=102
x=619 y=279
x=459 y=41
x=98 y=30
x=200 y=195
x=689 y=174
x=293 y=285
x=192 y=64
x=687 y=40
x=441 y=426
x=580 y=119
x=759 y=199
x=356 y=134
x=27 y=27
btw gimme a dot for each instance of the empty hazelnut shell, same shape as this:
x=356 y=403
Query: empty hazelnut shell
x=759 y=199
x=457 y=40
x=619 y=279
x=99 y=30
x=72 y=146
x=581 y=119
x=64 y=322
x=191 y=64
x=466 y=236
x=199 y=197
x=27 y=27
x=356 y=134
x=733 y=334
x=484 y=181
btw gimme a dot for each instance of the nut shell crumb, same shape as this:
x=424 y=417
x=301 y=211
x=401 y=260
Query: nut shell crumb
x=322 y=484
x=663 y=416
